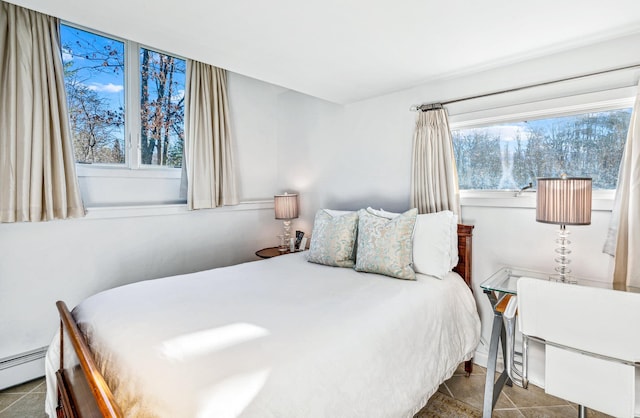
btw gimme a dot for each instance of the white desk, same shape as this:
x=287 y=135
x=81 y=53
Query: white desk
x=498 y=288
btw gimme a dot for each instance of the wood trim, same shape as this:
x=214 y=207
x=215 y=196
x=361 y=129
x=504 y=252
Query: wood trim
x=102 y=395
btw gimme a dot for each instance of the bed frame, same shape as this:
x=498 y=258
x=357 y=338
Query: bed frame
x=82 y=390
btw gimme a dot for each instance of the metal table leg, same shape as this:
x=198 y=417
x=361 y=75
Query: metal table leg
x=582 y=411
x=493 y=387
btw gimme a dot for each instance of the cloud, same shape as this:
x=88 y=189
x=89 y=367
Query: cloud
x=66 y=55
x=508 y=132
x=106 y=88
x=178 y=96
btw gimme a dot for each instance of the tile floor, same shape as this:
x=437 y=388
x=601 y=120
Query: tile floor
x=514 y=401
x=24 y=401
x=27 y=400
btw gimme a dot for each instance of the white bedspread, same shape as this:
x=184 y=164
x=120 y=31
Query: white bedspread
x=278 y=338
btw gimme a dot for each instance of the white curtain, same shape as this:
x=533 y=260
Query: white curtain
x=208 y=148
x=434 y=179
x=37 y=168
x=623 y=239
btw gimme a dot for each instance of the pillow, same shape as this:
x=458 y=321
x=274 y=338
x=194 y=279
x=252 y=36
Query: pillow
x=385 y=245
x=435 y=241
x=333 y=239
x=335 y=213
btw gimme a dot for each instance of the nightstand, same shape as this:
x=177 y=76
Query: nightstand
x=270 y=252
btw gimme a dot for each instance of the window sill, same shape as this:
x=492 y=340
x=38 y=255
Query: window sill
x=99 y=170
x=602 y=199
x=108 y=212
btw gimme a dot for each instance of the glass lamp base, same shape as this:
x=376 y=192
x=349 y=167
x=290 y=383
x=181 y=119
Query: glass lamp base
x=282 y=246
x=563 y=278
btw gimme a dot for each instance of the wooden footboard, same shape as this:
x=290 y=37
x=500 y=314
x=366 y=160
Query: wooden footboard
x=82 y=391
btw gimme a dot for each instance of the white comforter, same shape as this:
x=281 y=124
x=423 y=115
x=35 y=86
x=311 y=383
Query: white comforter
x=278 y=338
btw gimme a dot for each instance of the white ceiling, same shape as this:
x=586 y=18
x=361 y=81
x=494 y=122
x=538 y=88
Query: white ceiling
x=348 y=50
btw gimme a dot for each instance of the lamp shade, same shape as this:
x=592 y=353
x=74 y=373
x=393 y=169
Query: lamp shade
x=286 y=206
x=564 y=201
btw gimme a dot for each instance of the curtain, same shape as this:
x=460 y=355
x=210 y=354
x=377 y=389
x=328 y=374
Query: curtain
x=209 y=157
x=434 y=179
x=623 y=239
x=37 y=169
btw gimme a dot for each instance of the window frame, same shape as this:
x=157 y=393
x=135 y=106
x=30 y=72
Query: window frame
x=132 y=167
x=602 y=199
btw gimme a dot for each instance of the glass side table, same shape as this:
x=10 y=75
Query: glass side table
x=499 y=288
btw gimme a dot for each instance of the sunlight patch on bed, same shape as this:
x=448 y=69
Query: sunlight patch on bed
x=230 y=397
x=211 y=340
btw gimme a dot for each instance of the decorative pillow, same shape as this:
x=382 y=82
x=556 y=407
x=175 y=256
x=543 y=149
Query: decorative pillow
x=435 y=241
x=333 y=239
x=385 y=245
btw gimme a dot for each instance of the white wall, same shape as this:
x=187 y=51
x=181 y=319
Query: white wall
x=334 y=156
x=72 y=259
x=360 y=155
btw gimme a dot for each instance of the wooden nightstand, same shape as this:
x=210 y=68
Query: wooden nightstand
x=270 y=252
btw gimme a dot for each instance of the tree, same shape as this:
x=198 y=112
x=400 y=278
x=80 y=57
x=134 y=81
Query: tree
x=477 y=158
x=94 y=123
x=589 y=145
x=161 y=109
x=97 y=124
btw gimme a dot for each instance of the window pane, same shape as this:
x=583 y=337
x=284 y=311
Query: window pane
x=94 y=82
x=509 y=156
x=162 y=79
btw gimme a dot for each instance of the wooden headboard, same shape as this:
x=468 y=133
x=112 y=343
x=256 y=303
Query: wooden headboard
x=465 y=232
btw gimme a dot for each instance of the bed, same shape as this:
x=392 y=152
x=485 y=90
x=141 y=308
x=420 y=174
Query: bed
x=281 y=337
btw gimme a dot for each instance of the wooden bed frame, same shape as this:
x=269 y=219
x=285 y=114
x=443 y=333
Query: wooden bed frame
x=82 y=390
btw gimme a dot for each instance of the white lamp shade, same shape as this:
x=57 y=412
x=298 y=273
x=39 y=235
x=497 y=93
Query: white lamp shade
x=286 y=206
x=564 y=201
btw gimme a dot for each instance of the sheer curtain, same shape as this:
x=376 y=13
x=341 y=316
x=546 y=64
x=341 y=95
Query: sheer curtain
x=37 y=169
x=434 y=179
x=623 y=240
x=209 y=156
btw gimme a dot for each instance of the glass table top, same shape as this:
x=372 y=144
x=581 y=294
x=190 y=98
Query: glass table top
x=506 y=279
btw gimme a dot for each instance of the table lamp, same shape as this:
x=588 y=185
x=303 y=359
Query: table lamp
x=286 y=209
x=563 y=201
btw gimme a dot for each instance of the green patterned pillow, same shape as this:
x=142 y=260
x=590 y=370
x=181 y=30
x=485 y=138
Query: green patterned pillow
x=385 y=246
x=333 y=239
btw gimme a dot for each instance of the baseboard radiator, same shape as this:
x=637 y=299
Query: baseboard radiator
x=22 y=367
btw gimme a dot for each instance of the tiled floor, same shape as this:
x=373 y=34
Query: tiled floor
x=23 y=401
x=514 y=401
x=27 y=400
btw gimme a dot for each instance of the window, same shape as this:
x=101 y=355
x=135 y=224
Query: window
x=511 y=155
x=94 y=81
x=100 y=75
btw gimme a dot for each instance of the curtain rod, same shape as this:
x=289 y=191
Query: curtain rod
x=433 y=106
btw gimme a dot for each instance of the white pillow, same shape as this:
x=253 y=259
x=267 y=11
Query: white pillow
x=435 y=241
x=435 y=244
